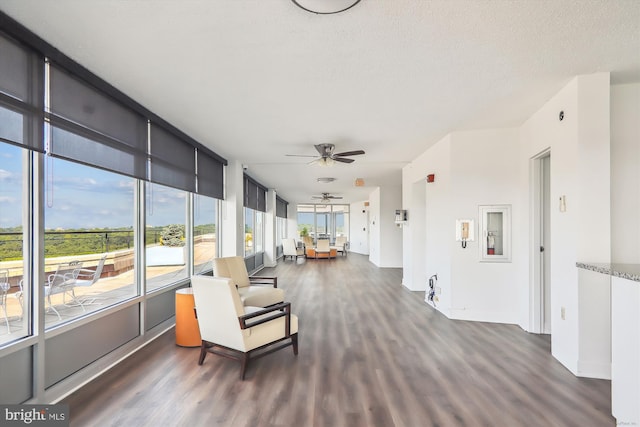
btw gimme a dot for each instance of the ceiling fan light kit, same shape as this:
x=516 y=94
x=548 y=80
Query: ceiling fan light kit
x=325 y=161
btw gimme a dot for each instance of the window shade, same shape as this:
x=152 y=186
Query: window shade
x=210 y=175
x=281 y=207
x=92 y=128
x=254 y=195
x=21 y=95
x=173 y=161
x=262 y=200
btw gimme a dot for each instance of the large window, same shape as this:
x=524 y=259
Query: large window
x=249 y=227
x=281 y=233
x=254 y=209
x=205 y=236
x=323 y=221
x=165 y=238
x=258 y=235
x=341 y=221
x=306 y=221
x=74 y=154
x=89 y=239
x=13 y=323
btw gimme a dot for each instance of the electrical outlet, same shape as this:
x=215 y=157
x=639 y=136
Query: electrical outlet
x=562 y=313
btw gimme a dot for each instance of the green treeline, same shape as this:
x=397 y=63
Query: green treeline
x=83 y=241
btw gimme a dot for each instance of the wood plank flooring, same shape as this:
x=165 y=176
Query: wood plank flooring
x=371 y=354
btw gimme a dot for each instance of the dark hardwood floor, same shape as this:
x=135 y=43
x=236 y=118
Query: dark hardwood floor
x=371 y=354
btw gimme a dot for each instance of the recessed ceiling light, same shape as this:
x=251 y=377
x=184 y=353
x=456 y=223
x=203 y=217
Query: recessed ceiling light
x=326 y=179
x=359 y=182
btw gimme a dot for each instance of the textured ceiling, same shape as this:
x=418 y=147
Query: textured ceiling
x=258 y=79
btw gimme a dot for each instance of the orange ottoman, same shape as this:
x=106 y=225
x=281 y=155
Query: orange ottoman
x=187 y=330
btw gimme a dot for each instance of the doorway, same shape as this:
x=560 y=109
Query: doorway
x=541 y=310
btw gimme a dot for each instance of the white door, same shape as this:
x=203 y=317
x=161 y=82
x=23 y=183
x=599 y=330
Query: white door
x=545 y=240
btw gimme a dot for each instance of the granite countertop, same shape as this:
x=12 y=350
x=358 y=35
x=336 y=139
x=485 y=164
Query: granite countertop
x=624 y=271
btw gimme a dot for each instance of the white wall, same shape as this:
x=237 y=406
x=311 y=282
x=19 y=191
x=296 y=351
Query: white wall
x=579 y=171
x=390 y=234
x=625 y=174
x=471 y=168
x=374 y=226
x=270 y=257
x=359 y=228
x=484 y=171
x=292 y=222
x=425 y=244
x=494 y=167
x=232 y=227
x=414 y=266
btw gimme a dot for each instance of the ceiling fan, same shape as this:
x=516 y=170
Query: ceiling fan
x=326 y=197
x=328 y=157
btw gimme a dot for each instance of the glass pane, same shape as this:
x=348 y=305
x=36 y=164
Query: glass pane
x=13 y=319
x=205 y=225
x=306 y=221
x=494 y=234
x=323 y=226
x=248 y=231
x=323 y=223
x=165 y=239
x=339 y=224
x=89 y=245
x=259 y=232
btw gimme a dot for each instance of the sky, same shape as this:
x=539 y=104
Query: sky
x=79 y=196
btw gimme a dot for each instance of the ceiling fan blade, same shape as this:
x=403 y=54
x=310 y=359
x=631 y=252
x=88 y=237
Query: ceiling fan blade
x=349 y=153
x=343 y=160
x=299 y=155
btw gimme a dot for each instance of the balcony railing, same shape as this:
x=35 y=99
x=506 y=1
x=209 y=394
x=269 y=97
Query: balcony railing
x=68 y=243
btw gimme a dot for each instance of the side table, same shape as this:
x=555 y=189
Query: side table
x=187 y=330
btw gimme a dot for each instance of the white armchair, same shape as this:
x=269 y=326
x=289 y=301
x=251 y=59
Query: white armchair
x=242 y=333
x=341 y=245
x=289 y=249
x=256 y=291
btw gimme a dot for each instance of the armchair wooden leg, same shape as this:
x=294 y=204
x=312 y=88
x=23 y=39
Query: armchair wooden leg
x=244 y=360
x=203 y=353
x=294 y=340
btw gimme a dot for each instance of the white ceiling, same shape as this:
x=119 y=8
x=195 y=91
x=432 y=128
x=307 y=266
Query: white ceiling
x=258 y=79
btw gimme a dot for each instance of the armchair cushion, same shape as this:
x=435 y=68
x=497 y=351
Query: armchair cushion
x=260 y=296
x=259 y=291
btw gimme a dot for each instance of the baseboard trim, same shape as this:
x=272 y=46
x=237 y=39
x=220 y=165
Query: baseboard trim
x=598 y=370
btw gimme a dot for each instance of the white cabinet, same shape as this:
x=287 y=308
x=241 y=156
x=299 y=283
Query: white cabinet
x=495 y=233
x=625 y=351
